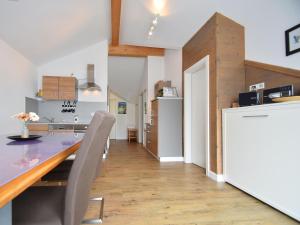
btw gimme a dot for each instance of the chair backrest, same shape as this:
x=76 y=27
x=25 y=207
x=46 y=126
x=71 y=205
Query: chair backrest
x=84 y=167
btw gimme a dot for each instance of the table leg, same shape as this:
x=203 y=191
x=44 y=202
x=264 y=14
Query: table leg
x=6 y=215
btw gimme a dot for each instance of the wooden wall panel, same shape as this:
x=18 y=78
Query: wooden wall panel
x=272 y=79
x=223 y=40
x=230 y=71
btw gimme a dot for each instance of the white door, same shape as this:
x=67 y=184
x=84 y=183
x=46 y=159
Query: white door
x=199 y=117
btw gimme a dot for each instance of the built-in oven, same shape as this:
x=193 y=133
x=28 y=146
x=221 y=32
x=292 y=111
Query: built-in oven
x=80 y=128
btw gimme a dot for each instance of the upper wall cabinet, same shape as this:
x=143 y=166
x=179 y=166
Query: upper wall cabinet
x=50 y=88
x=67 y=88
x=59 y=88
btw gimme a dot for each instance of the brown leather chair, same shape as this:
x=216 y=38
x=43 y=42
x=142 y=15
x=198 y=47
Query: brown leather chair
x=67 y=205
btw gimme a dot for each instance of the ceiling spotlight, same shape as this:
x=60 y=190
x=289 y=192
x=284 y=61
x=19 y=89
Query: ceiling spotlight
x=153 y=25
x=159 y=5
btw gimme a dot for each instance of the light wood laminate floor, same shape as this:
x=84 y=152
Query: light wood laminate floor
x=139 y=190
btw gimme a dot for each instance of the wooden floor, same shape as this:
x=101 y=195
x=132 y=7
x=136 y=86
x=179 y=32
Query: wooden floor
x=139 y=190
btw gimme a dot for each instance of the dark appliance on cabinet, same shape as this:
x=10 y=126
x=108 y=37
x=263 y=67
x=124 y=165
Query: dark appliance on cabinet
x=278 y=92
x=249 y=98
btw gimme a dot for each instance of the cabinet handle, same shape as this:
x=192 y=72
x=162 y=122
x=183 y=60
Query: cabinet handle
x=256 y=116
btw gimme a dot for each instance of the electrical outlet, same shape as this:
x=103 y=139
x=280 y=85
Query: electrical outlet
x=256 y=87
x=260 y=86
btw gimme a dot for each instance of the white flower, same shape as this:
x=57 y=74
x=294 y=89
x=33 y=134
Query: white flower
x=33 y=116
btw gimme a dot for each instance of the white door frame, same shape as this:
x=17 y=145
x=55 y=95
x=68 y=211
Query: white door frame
x=201 y=64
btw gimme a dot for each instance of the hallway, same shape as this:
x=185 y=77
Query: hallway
x=139 y=190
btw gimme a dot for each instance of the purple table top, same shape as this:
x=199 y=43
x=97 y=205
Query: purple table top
x=16 y=158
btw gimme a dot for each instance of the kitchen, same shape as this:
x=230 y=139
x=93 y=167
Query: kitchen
x=68 y=101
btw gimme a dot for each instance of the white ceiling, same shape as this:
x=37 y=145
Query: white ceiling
x=43 y=30
x=179 y=20
x=125 y=75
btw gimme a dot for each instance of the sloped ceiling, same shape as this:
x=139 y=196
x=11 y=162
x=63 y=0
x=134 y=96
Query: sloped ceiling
x=125 y=75
x=43 y=30
x=179 y=20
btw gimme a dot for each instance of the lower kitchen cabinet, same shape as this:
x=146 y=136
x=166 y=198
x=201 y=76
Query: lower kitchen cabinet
x=166 y=128
x=261 y=153
x=38 y=127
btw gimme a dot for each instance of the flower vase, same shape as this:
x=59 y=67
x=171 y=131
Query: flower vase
x=25 y=131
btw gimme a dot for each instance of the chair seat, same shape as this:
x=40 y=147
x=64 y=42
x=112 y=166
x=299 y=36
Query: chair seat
x=39 y=206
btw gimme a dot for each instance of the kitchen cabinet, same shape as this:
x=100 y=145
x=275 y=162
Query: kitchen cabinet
x=166 y=129
x=59 y=88
x=261 y=153
x=154 y=128
x=38 y=127
x=67 y=88
x=50 y=88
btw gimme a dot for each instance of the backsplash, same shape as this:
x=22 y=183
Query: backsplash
x=53 y=109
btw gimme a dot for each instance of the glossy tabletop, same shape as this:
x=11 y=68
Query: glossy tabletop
x=19 y=158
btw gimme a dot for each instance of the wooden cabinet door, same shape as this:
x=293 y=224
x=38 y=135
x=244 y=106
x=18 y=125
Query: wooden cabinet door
x=67 y=88
x=50 y=87
x=38 y=127
x=154 y=128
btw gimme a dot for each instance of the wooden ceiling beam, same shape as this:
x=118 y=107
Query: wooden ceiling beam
x=135 y=51
x=115 y=21
x=115 y=49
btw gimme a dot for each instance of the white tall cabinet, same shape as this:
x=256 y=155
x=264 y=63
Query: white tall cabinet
x=261 y=147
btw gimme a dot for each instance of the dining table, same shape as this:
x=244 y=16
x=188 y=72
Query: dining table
x=24 y=163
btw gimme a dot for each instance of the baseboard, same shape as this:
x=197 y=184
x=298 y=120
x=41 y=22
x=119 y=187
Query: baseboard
x=171 y=159
x=216 y=177
x=152 y=153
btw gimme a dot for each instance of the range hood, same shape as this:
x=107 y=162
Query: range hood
x=90 y=85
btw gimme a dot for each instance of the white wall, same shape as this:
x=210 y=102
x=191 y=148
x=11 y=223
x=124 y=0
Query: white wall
x=18 y=79
x=76 y=63
x=173 y=68
x=123 y=121
x=156 y=72
x=265 y=23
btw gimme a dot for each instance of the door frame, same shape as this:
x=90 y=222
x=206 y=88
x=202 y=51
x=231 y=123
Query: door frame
x=140 y=119
x=201 y=64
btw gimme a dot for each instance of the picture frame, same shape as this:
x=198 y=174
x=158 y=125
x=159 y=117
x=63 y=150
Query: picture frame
x=292 y=40
x=122 y=107
x=170 y=92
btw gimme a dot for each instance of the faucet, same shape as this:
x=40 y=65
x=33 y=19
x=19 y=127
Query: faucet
x=51 y=120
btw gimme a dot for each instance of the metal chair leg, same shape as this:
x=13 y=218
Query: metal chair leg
x=97 y=220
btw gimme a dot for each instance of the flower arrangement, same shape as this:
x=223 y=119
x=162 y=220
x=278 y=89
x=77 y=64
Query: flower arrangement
x=25 y=118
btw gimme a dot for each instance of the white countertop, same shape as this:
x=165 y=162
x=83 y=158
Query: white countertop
x=262 y=106
x=63 y=123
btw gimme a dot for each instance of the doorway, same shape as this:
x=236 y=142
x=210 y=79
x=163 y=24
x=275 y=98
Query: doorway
x=113 y=110
x=196 y=114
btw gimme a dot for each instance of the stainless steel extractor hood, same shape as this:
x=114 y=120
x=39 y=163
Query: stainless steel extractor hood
x=90 y=85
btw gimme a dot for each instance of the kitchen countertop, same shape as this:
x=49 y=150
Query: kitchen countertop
x=62 y=123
